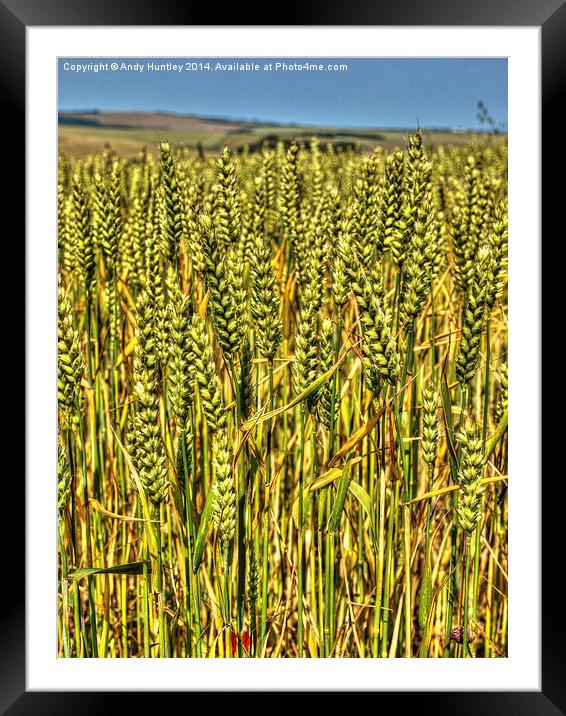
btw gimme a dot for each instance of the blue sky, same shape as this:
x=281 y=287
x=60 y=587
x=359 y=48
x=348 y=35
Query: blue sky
x=381 y=92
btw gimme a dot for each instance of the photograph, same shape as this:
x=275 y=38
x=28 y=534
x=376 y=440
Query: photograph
x=282 y=357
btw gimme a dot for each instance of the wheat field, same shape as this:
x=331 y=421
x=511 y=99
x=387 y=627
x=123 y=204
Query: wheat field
x=283 y=402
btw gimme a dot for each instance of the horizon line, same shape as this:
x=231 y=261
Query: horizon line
x=281 y=123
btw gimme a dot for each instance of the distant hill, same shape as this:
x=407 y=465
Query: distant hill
x=82 y=133
x=158 y=121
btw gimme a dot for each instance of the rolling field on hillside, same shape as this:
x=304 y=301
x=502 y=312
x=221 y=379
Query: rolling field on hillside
x=81 y=134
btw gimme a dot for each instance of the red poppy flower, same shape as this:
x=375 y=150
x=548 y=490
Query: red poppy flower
x=246 y=641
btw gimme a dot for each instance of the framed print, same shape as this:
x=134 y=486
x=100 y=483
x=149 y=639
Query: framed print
x=286 y=276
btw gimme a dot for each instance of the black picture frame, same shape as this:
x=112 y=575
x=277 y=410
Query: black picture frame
x=15 y=16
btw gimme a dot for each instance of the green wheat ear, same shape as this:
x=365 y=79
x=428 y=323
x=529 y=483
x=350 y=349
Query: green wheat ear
x=253 y=587
x=305 y=365
x=472 y=321
x=171 y=220
x=342 y=269
x=154 y=288
x=415 y=196
x=289 y=203
x=238 y=295
x=246 y=381
x=224 y=288
x=429 y=441
x=470 y=475
x=64 y=475
x=366 y=193
x=224 y=491
x=67 y=247
x=467 y=225
x=70 y=364
x=146 y=445
x=133 y=244
x=180 y=369
x=265 y=300
x=326 y=362
x=202 y=360
x=381 y=358
x=227 y=217
x=419 y=244
x=497 y=241
x=389 y=219
x=193 y=208
x=503 y=400
x=82 y=236
x=312 y=290
x=109 y=215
